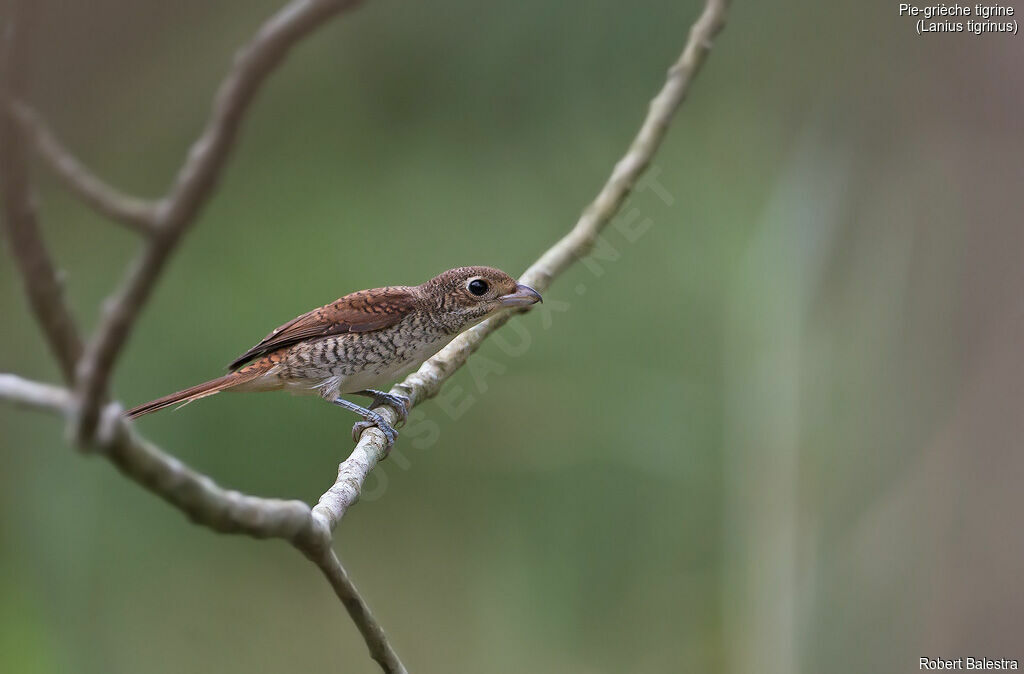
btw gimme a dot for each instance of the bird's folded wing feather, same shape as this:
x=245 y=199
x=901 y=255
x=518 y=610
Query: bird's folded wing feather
x=363 y=311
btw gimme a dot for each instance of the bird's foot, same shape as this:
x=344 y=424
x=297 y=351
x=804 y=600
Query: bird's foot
x=399 y=402
x=376 y=420
x=370 y=418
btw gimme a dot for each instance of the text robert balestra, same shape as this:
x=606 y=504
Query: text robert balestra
x=936 y=664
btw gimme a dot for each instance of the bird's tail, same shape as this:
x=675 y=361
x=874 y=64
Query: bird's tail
x=209 y=388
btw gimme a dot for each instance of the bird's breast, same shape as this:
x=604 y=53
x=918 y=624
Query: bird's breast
x=356 y=361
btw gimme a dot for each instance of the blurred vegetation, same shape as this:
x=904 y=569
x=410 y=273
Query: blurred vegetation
x=765 y=438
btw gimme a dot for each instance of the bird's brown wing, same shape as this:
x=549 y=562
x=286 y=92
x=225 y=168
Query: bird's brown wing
x=363 y=311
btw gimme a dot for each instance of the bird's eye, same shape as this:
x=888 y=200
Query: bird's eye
x=477 y=286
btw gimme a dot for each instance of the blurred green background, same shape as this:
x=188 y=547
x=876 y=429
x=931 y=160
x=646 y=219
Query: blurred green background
x=779 y=432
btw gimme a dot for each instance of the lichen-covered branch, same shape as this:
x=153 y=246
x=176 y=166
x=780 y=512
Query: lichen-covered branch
x=426 y=382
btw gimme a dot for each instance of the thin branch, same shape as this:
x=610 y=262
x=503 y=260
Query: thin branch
x=253 y=63
x=43 y=284
x=426 y=382
x=210 y=505
x=663 y=106
x=196 y=495
x=136 y=214
x=373 y=634
x=33 y=395
x=195 y=182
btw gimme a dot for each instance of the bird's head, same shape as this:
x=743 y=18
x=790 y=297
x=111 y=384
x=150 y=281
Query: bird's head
x=467 y=295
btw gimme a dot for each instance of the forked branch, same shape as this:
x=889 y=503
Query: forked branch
x=132 y=212
x=193 y=186
x=102 y=426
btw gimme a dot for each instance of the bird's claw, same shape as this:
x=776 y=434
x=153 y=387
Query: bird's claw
x=399 y=402
x=371 y=418
x=390 y=434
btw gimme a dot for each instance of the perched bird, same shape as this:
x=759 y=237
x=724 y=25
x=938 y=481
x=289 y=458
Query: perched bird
x=362 y=341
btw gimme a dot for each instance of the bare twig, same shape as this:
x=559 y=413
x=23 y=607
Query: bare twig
x=426 y=382
x=193 y=186
x=135 y=213
x=373 y=634
x=42 y=282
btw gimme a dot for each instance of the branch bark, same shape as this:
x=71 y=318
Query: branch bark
x=427 y=381
x=43 y=284
x=136 y=214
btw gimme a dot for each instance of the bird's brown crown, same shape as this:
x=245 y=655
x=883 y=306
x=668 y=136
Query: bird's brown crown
x=467 y=295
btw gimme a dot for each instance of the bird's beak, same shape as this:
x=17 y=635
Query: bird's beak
x=523 y=296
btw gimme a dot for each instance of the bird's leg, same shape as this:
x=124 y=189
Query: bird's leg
x=370 y=418
x=400 y=403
